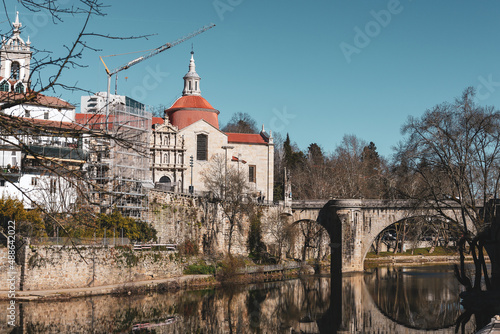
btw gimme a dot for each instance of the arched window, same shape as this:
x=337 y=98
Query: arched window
x=196 y=85
x=19 y=88
x=166 y=158
x=14 y=75
x=4 y=86
x=165 y=179
x=190 y=85
x=166 y=140
x=202 y=147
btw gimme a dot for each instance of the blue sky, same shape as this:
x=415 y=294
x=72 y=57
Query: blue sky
x=314 y=69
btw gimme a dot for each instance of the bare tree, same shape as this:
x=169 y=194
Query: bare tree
x=454 y=152
x=24 y=133
x=230 y=190
x=279 y=229
x=241 y=123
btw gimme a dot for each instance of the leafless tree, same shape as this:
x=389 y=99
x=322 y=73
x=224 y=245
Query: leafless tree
x=18 y=132
x=279 y=229
x=454 y=152
x=229 y=188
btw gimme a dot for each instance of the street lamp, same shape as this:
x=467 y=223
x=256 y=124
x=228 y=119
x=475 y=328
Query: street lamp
x=191 y=189
x=225 y=148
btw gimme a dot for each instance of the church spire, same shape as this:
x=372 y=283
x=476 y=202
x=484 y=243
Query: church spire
x=15 y=55
x=192 y=80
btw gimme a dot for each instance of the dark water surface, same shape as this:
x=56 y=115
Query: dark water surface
x=386 y=300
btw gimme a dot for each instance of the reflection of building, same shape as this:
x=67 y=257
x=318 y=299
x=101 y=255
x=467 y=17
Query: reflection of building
x=41 y=149
x=118 y=165
x=192 y=118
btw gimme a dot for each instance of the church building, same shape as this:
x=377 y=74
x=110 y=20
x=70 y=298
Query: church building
x=190 y=131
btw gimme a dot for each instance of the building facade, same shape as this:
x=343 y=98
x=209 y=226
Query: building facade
x=41 y=149
x=195 y=124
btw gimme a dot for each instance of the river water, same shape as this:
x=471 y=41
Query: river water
x=385 y=300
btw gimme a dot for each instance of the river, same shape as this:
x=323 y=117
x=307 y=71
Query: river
x=385 y=300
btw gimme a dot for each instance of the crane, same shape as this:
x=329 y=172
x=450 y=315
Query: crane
x=156 y=51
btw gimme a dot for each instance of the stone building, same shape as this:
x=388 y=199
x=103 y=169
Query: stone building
x=194 y=124
x=167 y=156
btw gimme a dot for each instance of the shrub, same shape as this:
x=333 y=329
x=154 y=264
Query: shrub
x=199 y=269
x=228 y=270
x=188 y=247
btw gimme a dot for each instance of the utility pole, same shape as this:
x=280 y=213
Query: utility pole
x=225 y=148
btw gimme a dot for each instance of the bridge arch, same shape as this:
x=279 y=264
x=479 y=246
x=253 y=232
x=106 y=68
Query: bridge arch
x=353 y=224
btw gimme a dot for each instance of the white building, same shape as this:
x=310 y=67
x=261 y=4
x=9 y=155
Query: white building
x=197 y=125
x=42 y=145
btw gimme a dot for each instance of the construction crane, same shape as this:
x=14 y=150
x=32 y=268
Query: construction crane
x=156 y=51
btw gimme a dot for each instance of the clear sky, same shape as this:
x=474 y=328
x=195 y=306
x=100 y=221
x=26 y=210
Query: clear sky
x=314 y=69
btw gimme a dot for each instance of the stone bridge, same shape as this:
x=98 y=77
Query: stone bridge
x=353 y=224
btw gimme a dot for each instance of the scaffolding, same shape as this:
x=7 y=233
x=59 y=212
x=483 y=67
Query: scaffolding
x=119 y=160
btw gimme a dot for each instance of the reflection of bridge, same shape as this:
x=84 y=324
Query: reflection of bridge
x=354 y=224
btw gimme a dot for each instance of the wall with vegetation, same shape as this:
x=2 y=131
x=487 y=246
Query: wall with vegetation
x=58 y=267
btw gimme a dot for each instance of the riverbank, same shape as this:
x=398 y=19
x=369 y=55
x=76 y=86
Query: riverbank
x=186 y=282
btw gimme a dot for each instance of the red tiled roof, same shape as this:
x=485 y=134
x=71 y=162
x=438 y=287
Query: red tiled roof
x=246 y=138
x=157 y=120
x=54 y=124
x=26 y=121
x=191 y=101
x=35 y=98
x=93 y=121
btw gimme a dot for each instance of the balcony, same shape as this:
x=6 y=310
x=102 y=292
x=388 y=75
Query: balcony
x=57 y=152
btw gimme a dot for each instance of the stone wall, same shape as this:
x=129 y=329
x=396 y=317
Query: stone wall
x=179 y=218
x=5 y=270
x=59 y=267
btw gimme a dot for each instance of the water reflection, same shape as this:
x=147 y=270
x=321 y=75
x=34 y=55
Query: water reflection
x=388 y=300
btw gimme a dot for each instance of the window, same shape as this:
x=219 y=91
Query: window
x=46 y=115
x=196 y=85
x=27 y=113
x=4 y=86
x=190 y=85
x=34 y=181
x=251 y=173
x=53 y=186
x=201 y=147
x=2 y=183
x=19 y=88
x=15 y=71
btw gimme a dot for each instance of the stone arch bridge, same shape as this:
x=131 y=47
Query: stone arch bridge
x=353 y=224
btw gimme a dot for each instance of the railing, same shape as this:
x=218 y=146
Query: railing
x=172 y=247
x=81 y=241
x=57 y=152
x=270 y=268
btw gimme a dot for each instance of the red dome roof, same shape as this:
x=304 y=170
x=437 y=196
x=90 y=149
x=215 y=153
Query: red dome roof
x=189 y=109
x=191 y=101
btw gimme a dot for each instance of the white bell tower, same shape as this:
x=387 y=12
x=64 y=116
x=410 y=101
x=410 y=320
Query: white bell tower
x=15 y=57
x=192 y=80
